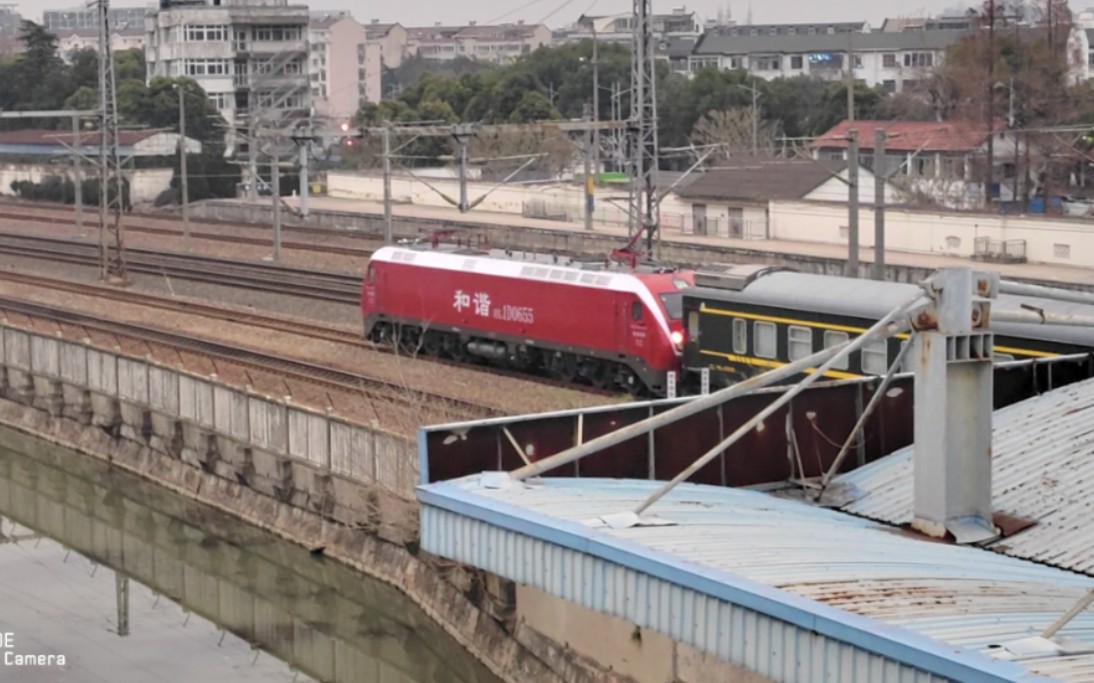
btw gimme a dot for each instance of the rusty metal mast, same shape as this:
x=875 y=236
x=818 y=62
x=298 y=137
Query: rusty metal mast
x=111 y=184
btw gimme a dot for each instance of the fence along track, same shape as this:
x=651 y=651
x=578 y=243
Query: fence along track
x=333 y=378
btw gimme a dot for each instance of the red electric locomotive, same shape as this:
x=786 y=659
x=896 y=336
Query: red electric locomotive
x=574 y=322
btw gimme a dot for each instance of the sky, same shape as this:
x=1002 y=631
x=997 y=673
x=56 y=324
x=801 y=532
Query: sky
x=556 y=13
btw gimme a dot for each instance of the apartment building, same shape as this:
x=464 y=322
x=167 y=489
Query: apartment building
x=896 y=60
x=619 y=28
x=250 y=56
x=10 y=21
x=500 y=43
x=344 y=68
x=391 y=41
x=65 y=21
x=126 y=38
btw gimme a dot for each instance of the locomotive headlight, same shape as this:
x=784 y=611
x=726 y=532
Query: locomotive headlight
x=677 y=338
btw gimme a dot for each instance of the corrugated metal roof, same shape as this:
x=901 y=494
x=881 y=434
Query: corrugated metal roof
x=959 y=596
x=1043 y=470
x=762 y=179
x=909 y=136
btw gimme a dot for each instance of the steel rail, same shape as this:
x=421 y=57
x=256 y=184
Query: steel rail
x=341 y=288
x=341 y=380
x=362 y=252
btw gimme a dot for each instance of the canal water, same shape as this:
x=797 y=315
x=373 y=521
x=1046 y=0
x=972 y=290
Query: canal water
x=106 y=578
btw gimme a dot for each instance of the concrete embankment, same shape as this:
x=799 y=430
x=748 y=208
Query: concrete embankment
x=342 y=489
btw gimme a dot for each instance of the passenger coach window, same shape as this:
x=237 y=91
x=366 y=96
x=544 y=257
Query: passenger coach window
x=833 y=338
x=799 y=342
x=636 y=310
x=875 y=359
x=693 y=325
x=763 y=340
x=740 y=336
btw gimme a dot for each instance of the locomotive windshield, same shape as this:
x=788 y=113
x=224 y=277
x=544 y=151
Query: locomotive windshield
x=674 y=305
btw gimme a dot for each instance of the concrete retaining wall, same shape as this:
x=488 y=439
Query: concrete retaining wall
x=308 y=459
x=145 y=184
x=330 y=485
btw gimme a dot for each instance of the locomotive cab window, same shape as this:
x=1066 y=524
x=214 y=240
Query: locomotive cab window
x=674 y=305
x=875 y=358
x=764 y=337
x=370 y=275
x=799 y=342
x=834 y=338
x=636 y=310
x=740 y=336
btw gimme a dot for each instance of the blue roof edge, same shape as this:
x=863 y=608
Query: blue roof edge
x=896 y=643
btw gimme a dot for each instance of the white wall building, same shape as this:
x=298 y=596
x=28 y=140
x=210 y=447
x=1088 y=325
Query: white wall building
x=619 y=28
x=250 y=56
x=500 y=43
x=344 y=68
x=391 y=40
x=80 y=39
x=895 y=60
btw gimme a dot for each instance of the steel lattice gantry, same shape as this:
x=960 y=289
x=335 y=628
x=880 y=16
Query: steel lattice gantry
x=643 y=153
x=111 y=184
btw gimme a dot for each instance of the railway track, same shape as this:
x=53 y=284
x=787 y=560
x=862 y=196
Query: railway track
x=265 y=277
x=132 y=226
x=334 y=378
x=270 y=322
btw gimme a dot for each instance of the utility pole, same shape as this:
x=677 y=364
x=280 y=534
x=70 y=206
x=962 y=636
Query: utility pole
x=990 y=174
x=617 y=137
x=275 y=177
x=852 y=203
x=463 y=134
x=1010 y=124
x=596 y=102
x=252 y=157
x=879 y=204
x=77 y=174
x=121 y=603
x=755 y=114
x=304 y=171
x=386 y=136
x=850 y=79
x=587 y=149
x=185 y=197
x=755 y=111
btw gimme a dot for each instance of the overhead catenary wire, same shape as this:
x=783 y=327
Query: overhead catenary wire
x=514 y=11
x=556 y=10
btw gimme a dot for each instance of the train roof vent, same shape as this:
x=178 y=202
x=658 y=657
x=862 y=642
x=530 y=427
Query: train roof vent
x=732 y=276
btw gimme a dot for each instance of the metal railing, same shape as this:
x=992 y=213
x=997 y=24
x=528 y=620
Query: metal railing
x=999 y=251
